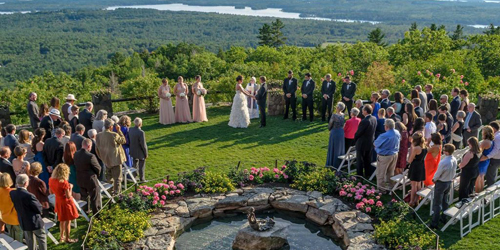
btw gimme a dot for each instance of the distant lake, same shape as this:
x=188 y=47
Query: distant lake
x=247 y=11
x=480 y=26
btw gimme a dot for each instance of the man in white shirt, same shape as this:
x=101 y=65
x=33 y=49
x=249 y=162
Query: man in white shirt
x=430 y=127
x=442 y=179
x=494 y=156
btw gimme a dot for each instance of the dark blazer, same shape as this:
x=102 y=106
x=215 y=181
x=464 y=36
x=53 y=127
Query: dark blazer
x=29 y=209
x=33 y=114
x=419 y=111
x=328 y=91
x=49 y=125
x=309 y=89
x=261 y=95
x=87 y=168
x=366 y=133
x=349 y=93
x=385 y=103
x=474 y=122
x=395 y=118
x=11 y=142
x=454 y=106
x=53 y=152
x=77 y=139
x=138 y=146
x=65 y=111
x=6 y=167
x=86 y=119
x=290 y=86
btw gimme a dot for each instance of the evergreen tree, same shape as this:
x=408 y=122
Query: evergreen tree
x=278 y=38
x=442 y=27
x=413 y=26
x=433 y=27
x=265 y=35
x=492 y=30
x=377 y=36
x=458 y=34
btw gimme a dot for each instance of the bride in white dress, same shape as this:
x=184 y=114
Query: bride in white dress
x=239 y=117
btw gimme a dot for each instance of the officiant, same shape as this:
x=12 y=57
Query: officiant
x=327 y=91
x=253 y=107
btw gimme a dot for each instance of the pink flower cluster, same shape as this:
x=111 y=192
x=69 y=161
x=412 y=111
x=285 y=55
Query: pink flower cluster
x=365 y=196
x=258 y=173
x=161 y=192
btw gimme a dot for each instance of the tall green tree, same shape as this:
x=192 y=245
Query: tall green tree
x=265 y=35
x=458 y=34
x=492 y=30
x=271 y=35
x=377 y=36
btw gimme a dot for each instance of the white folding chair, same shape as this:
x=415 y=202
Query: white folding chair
x=79 y=205
x=48 y=224
x=496 y=201
x=487 y=206
x=7 y=243
x=427 y=194
x=400 y=180
x=465 y=215
x=350 y=157
x=374 y=164
x=128 y=173
x=105 y=187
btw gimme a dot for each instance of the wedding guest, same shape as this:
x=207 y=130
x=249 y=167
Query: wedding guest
x=364 y=142
x=457 y=130
x=428 y=92
x=449 y=122
x=455 y=102
x=398 y=105
x=68 y=159
x=417 y=166
x=86 y=118
x=109 y=149
x=7 y=210
x=350 y=128
x=487 y=145
x=166 y=110
x=66 y=108
x=29 y=213
x=98 y=123
x=77 y=137
x=182 y=113
x=336 y=145
x=419 y=126
x=387 y=148
x=423 y=98
x=253 y=107
x=359 y=106
x=116 y=120
x=87 y=170
x=307 y=89
x=432 y=158
x=347 y=93
x=430 y=128
x=444 y=101
x=19 y=165
x=25 y=142
x=464 y=94
x=443 y=177
x=433 y=109
x=403 y=148
x=64 y=206
x=261 y=98
x=50 y=122
x=418 y=108
x=385 y=103
x=375 y=104
x=10 y=139
x=472 y=122
x=67 y=134
x=2 y=134
x=328 y=88
x=289 y=87
x=73 y=118
x=393 y=116
x=380 y=129
x=44 y=111
x=53 y=150
x=414 y=94
x=138 y=148
x=92 y=136
x=409 y=117
x=38 y=187
x=33 y=110
x=5 y=164
x=470 y=169
x=37 y=147
x=55 y=103
x=494 y=156
x=125 y=123
x=199 y=111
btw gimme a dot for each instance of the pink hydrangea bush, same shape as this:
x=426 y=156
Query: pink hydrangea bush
x=364 y=196
x=161 y=192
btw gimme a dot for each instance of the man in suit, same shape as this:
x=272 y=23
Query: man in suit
x=385 y=103
x=139 y=148
x=455 y=103
x=472 y=123
x=50 y=122
x=5 y=164
x=29 y=213
x=347 y=92
x=53 y=150
x=393 y=116
x=109 y=149
x=86 y=118
x=66 y=108
x=423 y=99
x=428 y=92
x=449 y=121
x=328 y=88
x=92 y=134
x=307 y=89
x=77 y=137
x=289 y=88
x=359 y=106
x=418 y=109
x=364 y=142
x=443 y=100
x=261 y=98
x=33 y=111
x=10 y=140
x=87 y=171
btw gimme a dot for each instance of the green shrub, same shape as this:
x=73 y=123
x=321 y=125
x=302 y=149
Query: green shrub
x=393 y=210
x=216 y=183
x=320 y=179
x=192 y=180
x=404 y=234
x=295 y=168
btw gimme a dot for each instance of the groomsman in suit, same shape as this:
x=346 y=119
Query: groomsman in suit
x=86 y=118
x=33 y=111
x=385 y=103
x=261 y=98
x=327 y=90
x=472 y=123
x=455 y=103
x=307 y=90
x=289 y=88
x=364 y=142
x=347 y=92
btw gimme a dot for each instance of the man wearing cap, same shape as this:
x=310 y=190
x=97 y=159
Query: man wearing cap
x=289 y=88
x=33 y=111
x=307 y=90
x=347 y=92
x=50 y=122
x=66 y=108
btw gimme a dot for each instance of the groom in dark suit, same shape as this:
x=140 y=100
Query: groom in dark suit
x=327 y=90
x=289 y=88
x=261 y=98
x=364 y=142
x=307 y=90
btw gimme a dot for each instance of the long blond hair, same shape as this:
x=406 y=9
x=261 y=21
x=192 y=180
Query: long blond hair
x=61 y=172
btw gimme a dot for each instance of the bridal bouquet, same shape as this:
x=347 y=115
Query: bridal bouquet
x=198 y=92
x=168 y=95
x=182 y=94
x=201 y=92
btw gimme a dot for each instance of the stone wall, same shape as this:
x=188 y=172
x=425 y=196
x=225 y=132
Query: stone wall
x=276 y=104
x=5 y=115
x=103 y=101
x=488 y=109
x=353 y=228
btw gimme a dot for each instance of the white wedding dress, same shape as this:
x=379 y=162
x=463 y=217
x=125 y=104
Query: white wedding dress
x=239 y=117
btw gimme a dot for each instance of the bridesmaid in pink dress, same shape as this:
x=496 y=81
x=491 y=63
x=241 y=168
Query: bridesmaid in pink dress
x=182 y=112
x=199 y=112
x=166 y=110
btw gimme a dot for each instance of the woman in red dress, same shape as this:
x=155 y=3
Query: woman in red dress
x=64 y=207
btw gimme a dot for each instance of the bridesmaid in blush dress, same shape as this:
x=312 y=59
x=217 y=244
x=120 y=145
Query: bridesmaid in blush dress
x=166 y=109
x=182 y=112
x=199 y=111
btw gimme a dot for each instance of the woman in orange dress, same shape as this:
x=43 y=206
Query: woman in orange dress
x=64 y=207
x=432 y=158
